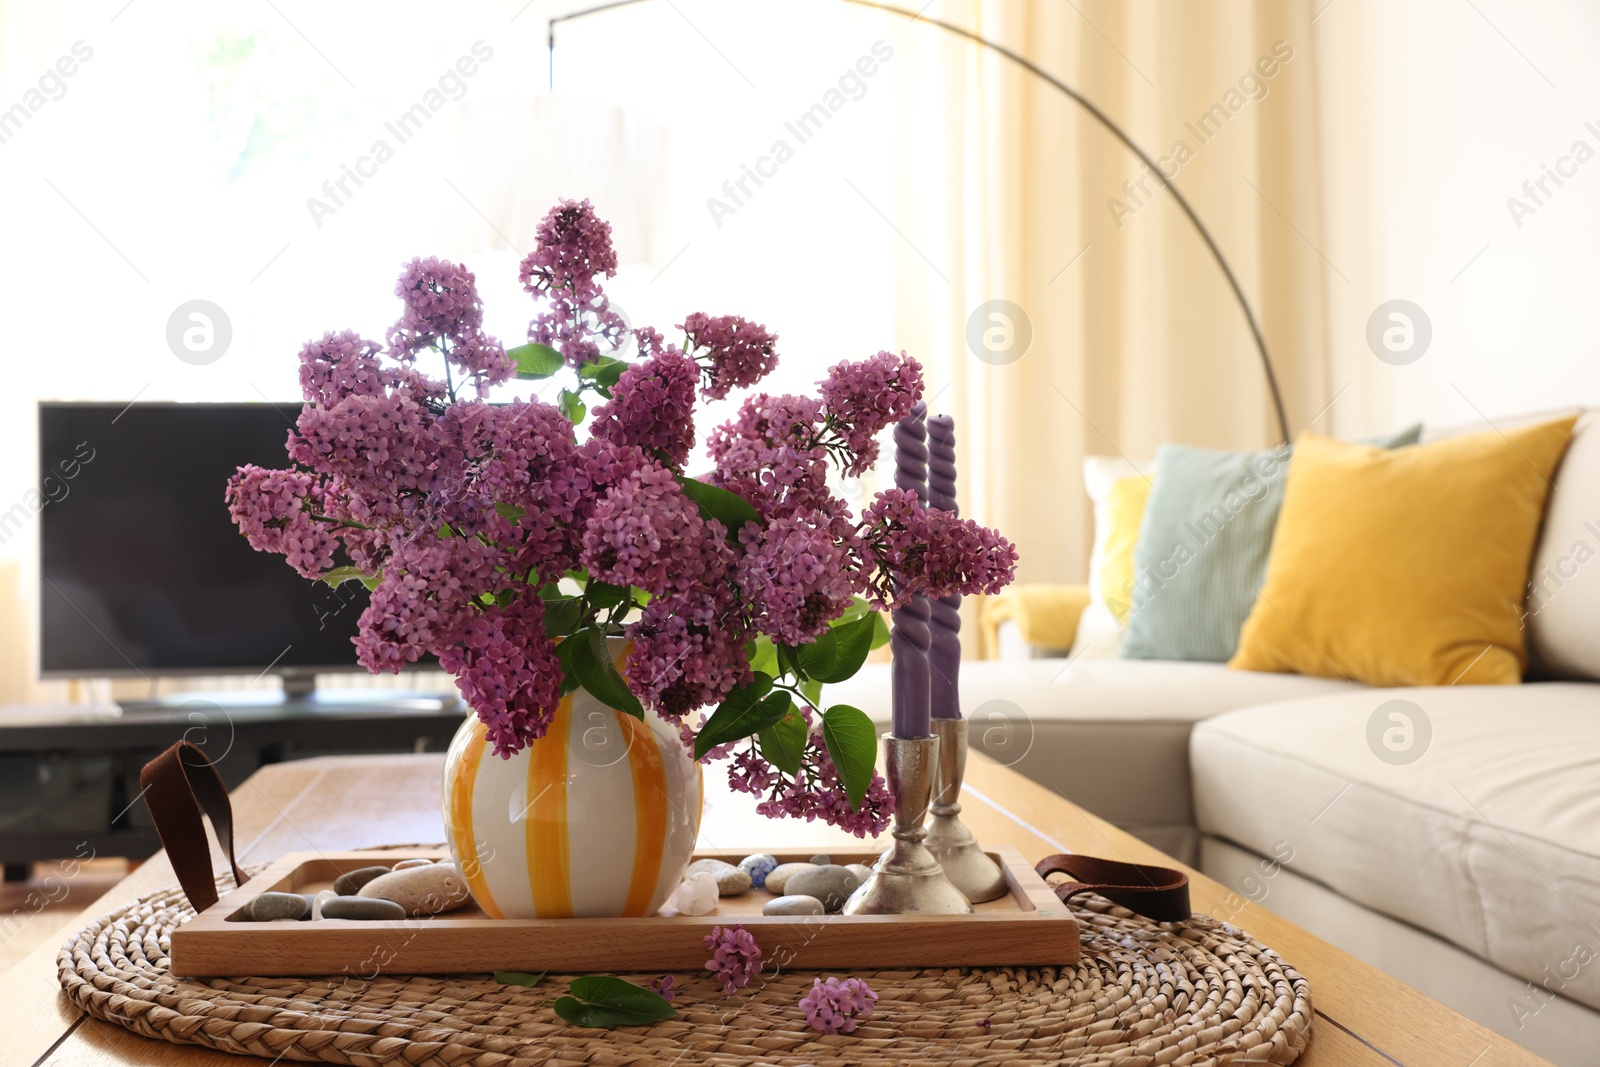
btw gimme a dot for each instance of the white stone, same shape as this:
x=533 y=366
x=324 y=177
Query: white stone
x=697 y=895
x=319 y=900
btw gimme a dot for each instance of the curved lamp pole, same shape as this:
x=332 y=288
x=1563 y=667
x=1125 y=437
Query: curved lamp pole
x=1094 y=112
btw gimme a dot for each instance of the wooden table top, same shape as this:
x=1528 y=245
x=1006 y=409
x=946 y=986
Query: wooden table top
x=1364 y=1017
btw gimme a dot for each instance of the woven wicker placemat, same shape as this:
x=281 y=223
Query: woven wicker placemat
x=1202 y=992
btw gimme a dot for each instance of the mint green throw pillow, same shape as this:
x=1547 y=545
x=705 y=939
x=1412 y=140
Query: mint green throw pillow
x=1203 y=548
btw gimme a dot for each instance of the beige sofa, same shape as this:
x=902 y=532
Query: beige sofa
x=1471 y=871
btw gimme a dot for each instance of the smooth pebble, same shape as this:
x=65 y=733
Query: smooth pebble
x=779 y=876
x=793 y=904
x=367 y=908
x=271 y=907
x=697 y=895
x=349 y=883
x=429 y=890
x=832 y=885
x=759 y=866
x=822 y=859
x=419 y=861
x=731 y=880
x=860 y=870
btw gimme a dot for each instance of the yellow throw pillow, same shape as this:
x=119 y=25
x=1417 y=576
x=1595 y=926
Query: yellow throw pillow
x=1125 y=508
x=1405 y=566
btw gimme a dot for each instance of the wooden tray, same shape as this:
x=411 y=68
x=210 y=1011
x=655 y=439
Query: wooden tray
x=1029 y=926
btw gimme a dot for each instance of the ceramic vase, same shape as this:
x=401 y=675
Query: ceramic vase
x=597 y=818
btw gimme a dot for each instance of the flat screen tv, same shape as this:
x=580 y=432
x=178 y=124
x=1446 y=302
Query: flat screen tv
x=141 y=569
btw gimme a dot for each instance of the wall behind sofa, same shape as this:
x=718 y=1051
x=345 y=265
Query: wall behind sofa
x=1433 y=114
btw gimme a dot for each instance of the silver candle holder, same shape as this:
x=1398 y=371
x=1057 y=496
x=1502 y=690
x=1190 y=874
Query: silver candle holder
x=907 y=880
x=965 y=864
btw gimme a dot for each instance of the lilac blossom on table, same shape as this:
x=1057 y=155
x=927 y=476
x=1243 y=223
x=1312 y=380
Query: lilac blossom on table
x=833 y=1007
x=735 y=957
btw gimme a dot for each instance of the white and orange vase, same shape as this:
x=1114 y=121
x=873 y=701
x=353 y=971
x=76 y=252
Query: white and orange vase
x=597 y=819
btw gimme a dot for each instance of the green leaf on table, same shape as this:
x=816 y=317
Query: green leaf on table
x=763 y=655
x=739 y=715
x=536 y=360
x=510 y=512
x=783 y=744
x=571 y=405
x=591 y=662
x=519 y=978
x=852 y=743
x=604 y=372
x=730 y=509
x=839 y=652
x=604 y=1000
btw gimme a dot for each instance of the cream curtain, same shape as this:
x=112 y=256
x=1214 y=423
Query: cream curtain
x=1006 y=190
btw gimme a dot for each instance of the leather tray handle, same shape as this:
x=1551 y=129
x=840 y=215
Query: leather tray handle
x=1158 y=893
x=178 y=785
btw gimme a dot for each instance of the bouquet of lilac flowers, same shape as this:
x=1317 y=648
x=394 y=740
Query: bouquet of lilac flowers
x=504 y=541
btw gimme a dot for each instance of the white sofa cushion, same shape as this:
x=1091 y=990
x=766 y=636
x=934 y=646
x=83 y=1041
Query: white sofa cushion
x=1111 y=734
x=1563 y=619
x=1490 y=839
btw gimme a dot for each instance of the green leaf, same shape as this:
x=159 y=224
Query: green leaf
x=604 y=594
x=853 y=745
x=880 y=630
x=860 y=607
x=566 y=650
x=571 y=405
x=839 y=652
x=562 y=615
x=510 y=511
x=604 y=372
x=789 y=663
x=731 y=509
x=339 y=575
x=536 y=360
x=604 y=1000
x=763 y=655
x=592 y=663
x=783 y=744
x=519 y=978
x=737 y=716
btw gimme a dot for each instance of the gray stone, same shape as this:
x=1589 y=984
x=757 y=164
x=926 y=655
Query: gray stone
x=270 y=907
x=793 y=904
x=349 y=883
x=779 y=876
x=860 y=870
x=405 y=865
x=731 y=880
x=429 y=890
x=831 y=884
x=822 y=859
x=372 y=908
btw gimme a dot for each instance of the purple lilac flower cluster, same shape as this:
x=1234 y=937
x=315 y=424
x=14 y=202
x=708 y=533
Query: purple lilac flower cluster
x=833 y=1007
x=463 y=515
x=735 y=957
x=573 y=251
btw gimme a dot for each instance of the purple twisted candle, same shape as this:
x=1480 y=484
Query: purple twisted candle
x=909 y=641
x=944 y=653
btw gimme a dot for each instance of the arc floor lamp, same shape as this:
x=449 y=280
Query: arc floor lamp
x=1094 y=112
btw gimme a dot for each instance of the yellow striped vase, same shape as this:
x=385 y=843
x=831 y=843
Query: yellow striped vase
x=597 y=818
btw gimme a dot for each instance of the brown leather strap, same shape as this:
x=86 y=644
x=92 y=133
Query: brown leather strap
x=1158 y=893
x=177 y=784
